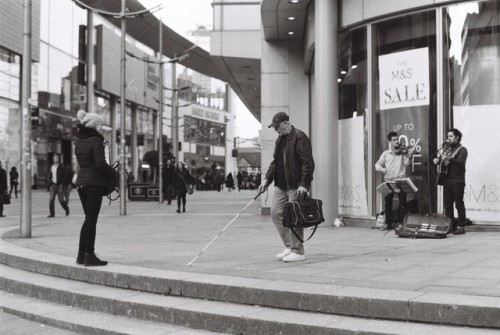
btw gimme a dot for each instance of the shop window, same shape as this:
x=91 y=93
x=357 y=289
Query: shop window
x=404 y=96
x=353 y=136
x=472 y=102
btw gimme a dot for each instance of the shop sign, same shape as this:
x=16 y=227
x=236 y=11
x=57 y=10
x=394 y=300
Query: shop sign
x=205 y=113
x=413 y=130
x=404 y=79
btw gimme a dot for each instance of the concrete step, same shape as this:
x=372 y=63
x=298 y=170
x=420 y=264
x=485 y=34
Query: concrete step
x=11 y=324
x=200 y=314
x=68 y=320
x=414 y=306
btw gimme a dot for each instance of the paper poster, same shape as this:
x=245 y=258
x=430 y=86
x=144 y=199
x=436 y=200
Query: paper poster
x=404 y=79
x=352 y=185
x=479 y=126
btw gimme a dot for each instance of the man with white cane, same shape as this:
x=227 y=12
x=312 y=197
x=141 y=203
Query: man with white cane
x=292 y=172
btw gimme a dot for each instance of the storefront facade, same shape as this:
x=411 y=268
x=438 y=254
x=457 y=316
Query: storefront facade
x=415 y=67
x=59 y=87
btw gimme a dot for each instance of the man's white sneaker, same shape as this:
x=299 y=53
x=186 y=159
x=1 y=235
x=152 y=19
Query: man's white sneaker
x=282 y=254
x=294 y=257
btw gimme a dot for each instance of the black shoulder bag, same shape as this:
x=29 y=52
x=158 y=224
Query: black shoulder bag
x=304 y=212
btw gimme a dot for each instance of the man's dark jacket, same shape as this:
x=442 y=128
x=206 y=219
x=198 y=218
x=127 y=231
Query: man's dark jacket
x=60 y=175
x=89 y=151
x=297 y=159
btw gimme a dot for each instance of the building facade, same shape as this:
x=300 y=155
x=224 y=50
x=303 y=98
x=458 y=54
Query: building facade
x=350 y=71
x=60 y=84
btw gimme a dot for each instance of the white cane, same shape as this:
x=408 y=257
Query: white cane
x=258 y=194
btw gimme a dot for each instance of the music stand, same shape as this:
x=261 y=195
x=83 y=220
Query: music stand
x=400 y=185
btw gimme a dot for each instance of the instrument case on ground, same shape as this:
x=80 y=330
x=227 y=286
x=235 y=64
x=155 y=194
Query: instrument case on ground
x=424 y=226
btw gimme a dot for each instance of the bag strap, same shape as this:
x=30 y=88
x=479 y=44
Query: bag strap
x=301 y=240
x=180 y=175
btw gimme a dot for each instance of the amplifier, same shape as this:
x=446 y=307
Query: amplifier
x=424 y=226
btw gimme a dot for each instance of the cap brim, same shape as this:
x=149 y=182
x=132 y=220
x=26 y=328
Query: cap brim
x=273 y=125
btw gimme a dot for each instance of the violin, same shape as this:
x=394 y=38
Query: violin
x=401 y=149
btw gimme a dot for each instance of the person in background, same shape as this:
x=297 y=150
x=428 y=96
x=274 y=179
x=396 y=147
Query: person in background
x=229 y=182
x=56 y=176
x=91 y=180
x=168 y=174
x=292 y=171
x=3 y=188
x=182 y=178
x=239 y=178
x=14 y=177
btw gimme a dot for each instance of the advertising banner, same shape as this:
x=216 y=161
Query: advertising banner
x=479 y=126
x=411 y=126
x=404 y=79
x=352 y=184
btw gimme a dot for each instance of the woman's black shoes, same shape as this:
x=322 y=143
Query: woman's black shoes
x=178 y=210
x=80 y=257
x=90 y=259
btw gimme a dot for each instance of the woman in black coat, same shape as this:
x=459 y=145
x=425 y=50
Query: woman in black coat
x=182 y=178
x=91 y=180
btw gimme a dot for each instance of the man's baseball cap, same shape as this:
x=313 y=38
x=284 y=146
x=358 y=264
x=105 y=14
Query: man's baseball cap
x=278 y=118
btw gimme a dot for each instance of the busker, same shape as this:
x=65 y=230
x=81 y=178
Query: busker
x=454 y=158
x=182 y=178
x=393 y=163
x=91 y=180
x=292 y=172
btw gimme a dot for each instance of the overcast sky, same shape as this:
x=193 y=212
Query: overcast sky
x=185 y=15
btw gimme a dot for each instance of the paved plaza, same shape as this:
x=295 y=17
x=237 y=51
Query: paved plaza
x=155 y=236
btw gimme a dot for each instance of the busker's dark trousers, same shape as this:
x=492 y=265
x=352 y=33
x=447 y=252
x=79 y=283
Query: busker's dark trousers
x=389 y=215
x=56 y=189
x=91 y=198
x=454 y=193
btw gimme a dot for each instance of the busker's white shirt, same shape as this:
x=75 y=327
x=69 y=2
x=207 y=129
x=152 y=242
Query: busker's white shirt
x=395 y=165
x=53 y=169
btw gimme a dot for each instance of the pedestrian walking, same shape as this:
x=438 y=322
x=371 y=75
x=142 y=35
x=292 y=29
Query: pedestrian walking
x=182 y=179
x=14 y=181
x=292 y=171
x=56 y=176
x=239 y=178
x=89 y=151
x=168 y=181
x=3 y=188
x=229 y=182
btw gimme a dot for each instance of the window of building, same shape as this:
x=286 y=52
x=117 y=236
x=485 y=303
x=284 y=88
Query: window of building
x=353 y=131
x=10 y=72
x=404 y=92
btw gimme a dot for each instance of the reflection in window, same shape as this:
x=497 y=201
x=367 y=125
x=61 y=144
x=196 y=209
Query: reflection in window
x=10 y=71
x=472 y=43
x=204 y=132
x=352 y=74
